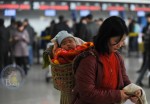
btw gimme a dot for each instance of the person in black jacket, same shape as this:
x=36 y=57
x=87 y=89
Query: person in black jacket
x=32 y=34
x=11 y=29
x=92 y=28
x=81 y=29
x=146 y=57
x=49 y=29
x=62 y=25
x=4 y=46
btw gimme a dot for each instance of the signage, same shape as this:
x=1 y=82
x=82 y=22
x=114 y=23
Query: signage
x=50 y=12
x=54 y=7
x=10 y=12
x=84 y=13
x=15 y=6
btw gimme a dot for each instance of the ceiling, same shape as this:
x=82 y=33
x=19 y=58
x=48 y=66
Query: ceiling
x=117 y=1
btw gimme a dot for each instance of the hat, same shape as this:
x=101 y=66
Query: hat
x=62 y=35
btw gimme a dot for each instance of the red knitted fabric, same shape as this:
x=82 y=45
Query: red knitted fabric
x=110 y=71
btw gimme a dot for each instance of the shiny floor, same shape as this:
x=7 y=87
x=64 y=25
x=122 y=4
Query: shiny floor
x=35 y=90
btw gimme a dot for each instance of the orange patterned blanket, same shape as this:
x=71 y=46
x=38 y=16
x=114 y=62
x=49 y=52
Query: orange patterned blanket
x=62 y=56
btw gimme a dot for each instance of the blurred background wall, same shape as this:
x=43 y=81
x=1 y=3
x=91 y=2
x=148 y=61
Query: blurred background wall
x=41 y=12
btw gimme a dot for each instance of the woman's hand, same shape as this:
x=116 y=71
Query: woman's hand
x=16 y=38
x=137 y=93
x=124 y=96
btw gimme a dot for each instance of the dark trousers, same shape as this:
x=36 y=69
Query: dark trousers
x=133 y=44
x=22 y=62
x=3 y=59
x=144 y=60
x=146 y=66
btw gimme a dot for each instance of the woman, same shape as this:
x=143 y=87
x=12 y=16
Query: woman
x=21 y=39
x=100 y=79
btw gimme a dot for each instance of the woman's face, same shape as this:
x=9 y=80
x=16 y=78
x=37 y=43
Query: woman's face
x=68 y=43
x=21 y=28
x=115 y=43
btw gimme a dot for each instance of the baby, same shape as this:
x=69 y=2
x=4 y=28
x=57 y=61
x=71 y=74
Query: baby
x=66 y=47
x=63 y=44
x=66 y=41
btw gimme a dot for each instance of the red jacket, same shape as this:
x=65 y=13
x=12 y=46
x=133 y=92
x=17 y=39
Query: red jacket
x=88 y=76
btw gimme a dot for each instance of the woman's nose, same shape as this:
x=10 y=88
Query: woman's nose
x=121 y=44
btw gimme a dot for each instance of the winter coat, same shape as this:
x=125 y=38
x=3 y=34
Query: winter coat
x=31 y=33
x=81 y=31
x=4 y=38
x=146 y=38
x=21 y=45
x=88 y=76
x=92 y=30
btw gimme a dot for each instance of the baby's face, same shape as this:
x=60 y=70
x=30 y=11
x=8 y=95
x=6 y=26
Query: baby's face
x=68 y=43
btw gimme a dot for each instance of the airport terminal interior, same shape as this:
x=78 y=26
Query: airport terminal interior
x=36 y=86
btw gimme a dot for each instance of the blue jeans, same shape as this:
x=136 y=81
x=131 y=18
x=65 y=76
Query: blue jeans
x=30 y=54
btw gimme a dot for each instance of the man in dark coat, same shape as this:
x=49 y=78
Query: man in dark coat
x=81 y=29
x=92 y=28
x=11 y=29
x=62 y=25
x=146 y=54
x=31 y=33
x=4 y=46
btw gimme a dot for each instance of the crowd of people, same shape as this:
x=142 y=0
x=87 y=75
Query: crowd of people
x=16 y=44
x=85 y=29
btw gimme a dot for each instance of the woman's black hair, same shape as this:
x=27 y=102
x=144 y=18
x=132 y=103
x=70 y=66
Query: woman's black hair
x=19 y=24
x=112 y=27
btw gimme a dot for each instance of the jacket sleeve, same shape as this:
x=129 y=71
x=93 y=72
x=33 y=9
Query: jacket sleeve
x=85 y=84
x=26 y=37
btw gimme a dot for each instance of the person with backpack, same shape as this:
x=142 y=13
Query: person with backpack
x=100 y=73
x=61 y=55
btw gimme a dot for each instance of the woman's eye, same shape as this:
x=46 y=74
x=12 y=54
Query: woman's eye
x=114 y=43
x=117 y=41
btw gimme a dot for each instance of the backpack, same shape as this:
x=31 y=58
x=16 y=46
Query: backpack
x=81 y=56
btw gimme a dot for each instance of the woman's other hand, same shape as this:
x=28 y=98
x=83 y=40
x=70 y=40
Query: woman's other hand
x=124 y=96
x=137 y=93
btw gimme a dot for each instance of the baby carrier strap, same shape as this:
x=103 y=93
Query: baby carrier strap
x=81 y=56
